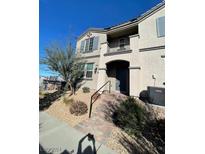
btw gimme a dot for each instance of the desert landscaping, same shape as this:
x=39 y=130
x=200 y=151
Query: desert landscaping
x=101 y=122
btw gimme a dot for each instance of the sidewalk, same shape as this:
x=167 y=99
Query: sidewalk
x=59 y=138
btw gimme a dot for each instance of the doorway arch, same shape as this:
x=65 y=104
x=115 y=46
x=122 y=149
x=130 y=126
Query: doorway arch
x=118 y=73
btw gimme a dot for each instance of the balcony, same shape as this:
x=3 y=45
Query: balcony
x=118 y=39
x=118 y=46
x=122 y=50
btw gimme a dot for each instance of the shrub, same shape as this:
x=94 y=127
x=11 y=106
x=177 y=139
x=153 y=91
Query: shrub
x=129 y=116
x=144 y=96
x=154 y=131
x=86 y=89
x=67 y=100
x=78 y=108
x=42 y=93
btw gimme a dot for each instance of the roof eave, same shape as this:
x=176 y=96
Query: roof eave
x=130 y=22
x=140 y=18
x=98 y=30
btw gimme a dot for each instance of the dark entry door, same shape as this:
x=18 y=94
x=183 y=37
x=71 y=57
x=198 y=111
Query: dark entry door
x=122 y=80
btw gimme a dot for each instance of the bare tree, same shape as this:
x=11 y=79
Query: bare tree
x=65 y=62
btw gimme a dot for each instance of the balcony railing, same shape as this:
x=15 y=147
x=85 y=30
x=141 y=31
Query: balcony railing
x=118 y=49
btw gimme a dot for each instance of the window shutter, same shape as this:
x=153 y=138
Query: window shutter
x=87 y=42
x=82 y=46
x=161 y=26
x=95 y=43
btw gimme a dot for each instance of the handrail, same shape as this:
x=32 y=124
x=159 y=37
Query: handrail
x=91 y=98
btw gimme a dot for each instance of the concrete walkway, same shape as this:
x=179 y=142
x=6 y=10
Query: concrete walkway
x=57 y=137
x=99 y=124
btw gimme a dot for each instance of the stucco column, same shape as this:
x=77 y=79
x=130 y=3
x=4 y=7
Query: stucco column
x=134 y=67
x=134 y=81
x=101 y=78
x=102 y=66
x=134 y=46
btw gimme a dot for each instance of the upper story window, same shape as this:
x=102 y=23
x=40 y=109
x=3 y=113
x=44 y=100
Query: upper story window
x=160 y=26
x=89 y=44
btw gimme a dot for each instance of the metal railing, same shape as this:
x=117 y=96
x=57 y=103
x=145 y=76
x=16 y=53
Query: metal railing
x=91 y=99
x=117 y=49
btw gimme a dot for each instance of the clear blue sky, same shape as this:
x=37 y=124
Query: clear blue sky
x=61 y=20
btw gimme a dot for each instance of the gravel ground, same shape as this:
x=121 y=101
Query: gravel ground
x=122 y=143
x=114 y=144
x=61 y=111
x=119 y=141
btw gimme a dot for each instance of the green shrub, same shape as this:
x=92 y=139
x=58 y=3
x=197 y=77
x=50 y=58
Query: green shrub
x=86 y=89
x=129 y=116
x=144 y=96
x=42 y=94
x=78 y=108
x=154 y=131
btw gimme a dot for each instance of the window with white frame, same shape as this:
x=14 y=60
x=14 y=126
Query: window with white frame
x=89 y=44
x=160 y=26
x=88 y=70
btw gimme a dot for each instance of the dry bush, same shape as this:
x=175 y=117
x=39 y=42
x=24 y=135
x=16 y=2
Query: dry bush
x=78 y=108
x=67 y=101
x=86 y=89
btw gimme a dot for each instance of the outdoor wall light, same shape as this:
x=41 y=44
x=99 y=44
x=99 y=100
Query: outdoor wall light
x=96 y=68
x=154 y=78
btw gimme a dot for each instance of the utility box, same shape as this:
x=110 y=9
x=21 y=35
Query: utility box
x=156 y=95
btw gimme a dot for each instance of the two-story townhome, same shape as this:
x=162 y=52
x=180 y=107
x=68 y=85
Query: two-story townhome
x=130 y=55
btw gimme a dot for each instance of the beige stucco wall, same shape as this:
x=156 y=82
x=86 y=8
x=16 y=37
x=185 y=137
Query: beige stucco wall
x=132 y=58
x=151 y=62
x=143 y=64
x=148 y=31
x=91 y=83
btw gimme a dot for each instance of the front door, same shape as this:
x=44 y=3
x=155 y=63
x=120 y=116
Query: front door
x=122 y=80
